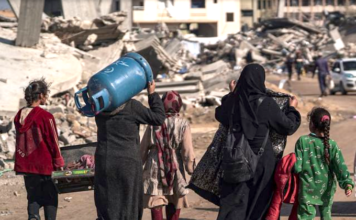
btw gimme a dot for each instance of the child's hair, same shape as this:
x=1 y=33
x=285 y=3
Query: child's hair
x=34 y=89
x=321 y=120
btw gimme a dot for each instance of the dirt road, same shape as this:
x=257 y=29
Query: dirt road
x=81 y=205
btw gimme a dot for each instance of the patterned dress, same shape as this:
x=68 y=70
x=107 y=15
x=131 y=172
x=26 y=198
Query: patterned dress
x=155 y=194
x=317 y=181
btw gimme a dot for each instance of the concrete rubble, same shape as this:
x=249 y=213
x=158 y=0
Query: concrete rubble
x=86 y=34
x=198 y=68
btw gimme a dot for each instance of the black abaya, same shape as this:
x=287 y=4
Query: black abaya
x=118 y=167
x=250 y=200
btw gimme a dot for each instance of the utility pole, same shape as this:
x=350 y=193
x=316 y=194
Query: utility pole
x=281 y=4
x=288 y=8
x=126 y=5
x=312 y=10
x=300 y=11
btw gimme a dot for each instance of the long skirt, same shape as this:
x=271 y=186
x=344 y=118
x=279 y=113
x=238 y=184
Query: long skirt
x=249 y=200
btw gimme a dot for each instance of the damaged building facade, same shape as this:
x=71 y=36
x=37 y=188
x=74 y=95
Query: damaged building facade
x=314 y=9
x=208 y=18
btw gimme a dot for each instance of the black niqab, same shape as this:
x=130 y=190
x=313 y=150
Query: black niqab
x=250 y=87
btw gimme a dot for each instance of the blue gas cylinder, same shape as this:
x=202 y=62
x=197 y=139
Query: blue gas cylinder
x=114 y=85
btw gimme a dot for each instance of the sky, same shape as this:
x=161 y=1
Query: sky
x=4 y=5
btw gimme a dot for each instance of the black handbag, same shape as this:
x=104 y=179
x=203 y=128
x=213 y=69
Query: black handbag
x=239 y=162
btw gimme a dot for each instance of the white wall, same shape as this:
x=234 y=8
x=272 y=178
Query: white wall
x=155 y=11
x=228 y=6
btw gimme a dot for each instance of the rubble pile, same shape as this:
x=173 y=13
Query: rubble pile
x=198 y=68
x=7 y=141
x=86 y=34
x=160 y=59
x=72 y=127
x=269 y=43
x=272 y=40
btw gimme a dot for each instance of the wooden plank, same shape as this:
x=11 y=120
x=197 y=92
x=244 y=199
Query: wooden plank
x=83 y=9
x=29 y=27
x=15 y=6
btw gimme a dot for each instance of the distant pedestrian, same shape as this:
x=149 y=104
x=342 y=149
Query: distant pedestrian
x=167 y=153
x=299 y=64
x=321 y=65
x=118 y=166
x=289 y=65
x=315 y=58
x=319 y=159
x=37 y=151
x=249 y=57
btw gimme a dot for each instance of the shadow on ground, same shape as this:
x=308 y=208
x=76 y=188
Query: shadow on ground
x=208 y=209
x=340 y=209
x=7 y=41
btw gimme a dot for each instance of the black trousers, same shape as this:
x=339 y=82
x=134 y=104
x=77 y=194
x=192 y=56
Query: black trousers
x=290 y=71
x=322 y=84
x=41 y=192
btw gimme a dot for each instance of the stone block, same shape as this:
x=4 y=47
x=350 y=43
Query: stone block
x=56 y=109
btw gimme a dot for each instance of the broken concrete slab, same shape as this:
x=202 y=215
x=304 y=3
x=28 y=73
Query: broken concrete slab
x=7 y=19
x=276 y=23
x=86 y=34
x=84 y=9
x=102 y=34
x=21 y=65
x=190 y=89
x=217 y=67
x=335 y=35
x=15 y=6
x=8 y=24
x=272 y=52
x=278 y=41
x=5 y=126
x=108 y=55
x=29 y=26
x=67 y=138
x=245 y=45
x=158 y=58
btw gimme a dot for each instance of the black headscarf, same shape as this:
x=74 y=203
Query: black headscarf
x=249 y=88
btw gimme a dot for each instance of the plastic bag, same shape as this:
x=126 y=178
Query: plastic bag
x=331 y=84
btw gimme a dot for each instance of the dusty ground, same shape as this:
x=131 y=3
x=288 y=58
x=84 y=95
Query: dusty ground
x=81 y=206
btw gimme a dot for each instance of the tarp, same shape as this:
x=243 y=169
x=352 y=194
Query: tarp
x=192 y=47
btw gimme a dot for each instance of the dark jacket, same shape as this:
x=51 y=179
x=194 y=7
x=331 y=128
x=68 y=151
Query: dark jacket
x=322 y=65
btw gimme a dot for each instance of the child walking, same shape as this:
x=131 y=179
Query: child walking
x=319 y=159
x=167 y=152
x=37 y=152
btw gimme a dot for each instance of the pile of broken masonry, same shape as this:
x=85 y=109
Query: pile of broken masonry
x=197 y=68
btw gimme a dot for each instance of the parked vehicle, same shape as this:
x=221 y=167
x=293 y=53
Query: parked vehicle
x=343 y=73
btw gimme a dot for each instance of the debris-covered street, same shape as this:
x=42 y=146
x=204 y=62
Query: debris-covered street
x=67 y=47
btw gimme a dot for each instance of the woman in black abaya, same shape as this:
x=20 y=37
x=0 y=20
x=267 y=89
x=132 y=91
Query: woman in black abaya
x=118 y=189
x=250 y=200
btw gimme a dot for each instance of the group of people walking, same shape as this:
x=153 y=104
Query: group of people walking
x=297 y=62
x=131 y=175
x=320 y=65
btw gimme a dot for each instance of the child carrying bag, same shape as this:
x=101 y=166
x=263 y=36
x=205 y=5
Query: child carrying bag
x=239 y=162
